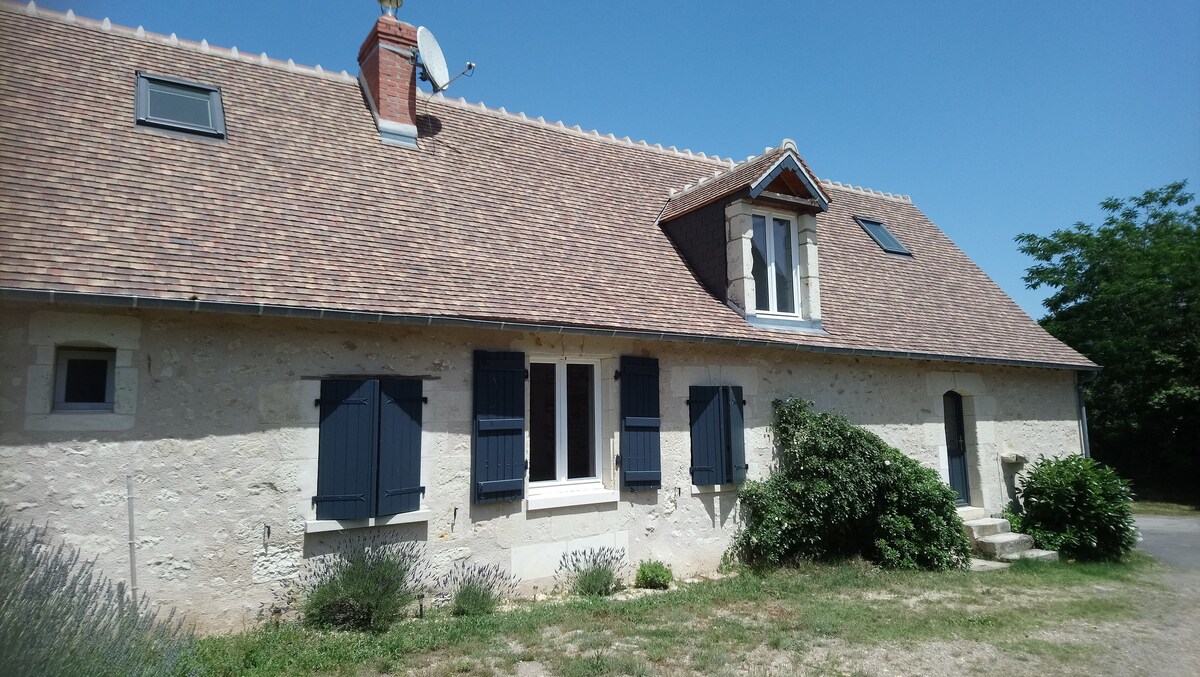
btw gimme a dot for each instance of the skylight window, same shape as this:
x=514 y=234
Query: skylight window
x=882 y=236
x=181 y=105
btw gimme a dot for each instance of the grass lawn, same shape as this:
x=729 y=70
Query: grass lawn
x=805 y=619
x=1165 y=509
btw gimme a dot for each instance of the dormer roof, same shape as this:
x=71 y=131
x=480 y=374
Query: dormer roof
x=778 y=170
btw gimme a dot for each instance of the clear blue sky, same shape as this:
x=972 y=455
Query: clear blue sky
x=997 y=117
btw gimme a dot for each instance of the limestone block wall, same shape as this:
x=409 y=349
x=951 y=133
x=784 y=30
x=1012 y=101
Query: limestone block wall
x=215 y=420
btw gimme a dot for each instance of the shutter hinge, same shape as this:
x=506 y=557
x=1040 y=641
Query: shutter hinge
x=526 y=465
x=743 y=403
x=526 y=374
x=617 y=375
x=742 y=467
x=317 y=402
x=618 y=460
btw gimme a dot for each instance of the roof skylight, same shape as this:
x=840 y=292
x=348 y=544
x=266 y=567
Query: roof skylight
x=181 y=105
x=882 y=236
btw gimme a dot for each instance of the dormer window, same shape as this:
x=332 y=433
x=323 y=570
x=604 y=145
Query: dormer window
x=180 y=105
x=776 y=268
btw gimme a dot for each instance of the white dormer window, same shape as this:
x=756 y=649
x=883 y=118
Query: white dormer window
x=776 y=265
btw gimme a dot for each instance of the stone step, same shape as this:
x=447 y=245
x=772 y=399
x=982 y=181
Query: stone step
x=987 y=526
x=971 y=513
x=999 y=545
x=987 y=565
x=1032 y=553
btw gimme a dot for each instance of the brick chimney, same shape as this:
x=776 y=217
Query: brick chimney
x=389 y=79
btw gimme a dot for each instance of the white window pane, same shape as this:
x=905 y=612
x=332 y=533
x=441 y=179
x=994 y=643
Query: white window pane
x=581 y=421
x=785 y=269
x=758 y=247
x=542 y=423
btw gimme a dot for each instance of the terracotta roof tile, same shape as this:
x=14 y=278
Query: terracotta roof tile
x=494 y=217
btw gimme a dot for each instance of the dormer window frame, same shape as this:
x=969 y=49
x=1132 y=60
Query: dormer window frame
x=769 y=219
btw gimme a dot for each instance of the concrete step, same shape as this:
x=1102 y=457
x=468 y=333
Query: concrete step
x=999 y=545
x=971 y=513
x=987 y=526
x=987 y=565
x=1032 y=553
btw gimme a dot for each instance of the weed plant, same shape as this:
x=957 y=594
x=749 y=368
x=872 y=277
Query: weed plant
x=59 y=615
x=654 y=575
x=476 y=589
x=365 y=588
x=595 y=572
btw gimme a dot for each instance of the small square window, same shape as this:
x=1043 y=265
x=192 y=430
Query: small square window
x=84 y=379
x=882 y=236
x=181 y=105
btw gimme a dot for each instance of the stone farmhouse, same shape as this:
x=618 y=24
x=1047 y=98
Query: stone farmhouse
x=299 y=306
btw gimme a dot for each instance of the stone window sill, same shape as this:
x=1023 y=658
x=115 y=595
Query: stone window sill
x=545 y=498
x=715 y=489
x=318 y=526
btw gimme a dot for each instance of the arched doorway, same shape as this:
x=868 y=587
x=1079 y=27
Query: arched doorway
x=956 y=447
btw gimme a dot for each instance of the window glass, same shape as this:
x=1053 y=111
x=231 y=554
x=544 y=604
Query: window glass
x=581 y=424
x=758 y=247
x=87 y=380
x=543 y=444
x=180 y=104
x=882 y=236
x=785 y=289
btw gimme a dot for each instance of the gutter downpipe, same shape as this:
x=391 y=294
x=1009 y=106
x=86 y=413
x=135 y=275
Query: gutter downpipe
x=1081 y=381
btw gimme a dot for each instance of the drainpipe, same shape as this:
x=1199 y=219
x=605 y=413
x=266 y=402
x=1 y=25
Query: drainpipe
x=1082 y=379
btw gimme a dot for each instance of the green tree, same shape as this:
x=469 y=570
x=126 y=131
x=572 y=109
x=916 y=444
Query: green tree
x=1126 y=296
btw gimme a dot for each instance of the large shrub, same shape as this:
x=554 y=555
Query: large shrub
x=365 y=588
x=60 y=616
x=841 y=491
x=1078 y=507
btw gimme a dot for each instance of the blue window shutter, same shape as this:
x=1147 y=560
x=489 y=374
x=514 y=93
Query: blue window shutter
x=735 y=428
x=400 y=487
x=708 y=436
x=641 y=464
x=346 y=452
x=499 y=434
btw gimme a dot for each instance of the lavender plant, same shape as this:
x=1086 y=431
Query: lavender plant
x=595 y=572
x=366 y=587
x=476 y=589
x=59 y=615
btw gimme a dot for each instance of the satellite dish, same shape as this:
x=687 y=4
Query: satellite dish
x=433 y=63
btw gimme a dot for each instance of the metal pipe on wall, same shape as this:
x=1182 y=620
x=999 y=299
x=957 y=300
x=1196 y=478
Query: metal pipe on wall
x=133 y=586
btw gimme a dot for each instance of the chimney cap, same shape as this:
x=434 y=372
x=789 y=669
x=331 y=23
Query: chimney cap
x=389 y=7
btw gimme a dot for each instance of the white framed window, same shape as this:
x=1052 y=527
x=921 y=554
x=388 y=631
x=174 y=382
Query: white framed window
x=776 y=266
x=84 y=379
x=564 y=421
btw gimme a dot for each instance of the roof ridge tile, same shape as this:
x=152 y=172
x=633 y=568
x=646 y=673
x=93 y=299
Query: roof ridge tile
x=867 y=191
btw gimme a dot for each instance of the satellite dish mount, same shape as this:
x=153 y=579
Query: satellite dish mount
x=433 y=64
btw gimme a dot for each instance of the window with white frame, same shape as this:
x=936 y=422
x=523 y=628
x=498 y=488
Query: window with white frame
x=776 y=265
x=84 y=379
x=564 y=420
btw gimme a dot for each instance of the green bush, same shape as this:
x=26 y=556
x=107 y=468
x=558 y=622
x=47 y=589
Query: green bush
x=365 y=589
x=1078 y=507
x=60 y=616
x=841 y=491
x=476 y=589
x=654 y=575
x=595 y=572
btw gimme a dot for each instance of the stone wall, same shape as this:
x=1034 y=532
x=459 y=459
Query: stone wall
x=214 y=418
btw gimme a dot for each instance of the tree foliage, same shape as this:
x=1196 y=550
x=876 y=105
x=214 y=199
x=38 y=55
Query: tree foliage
x=1126 y=296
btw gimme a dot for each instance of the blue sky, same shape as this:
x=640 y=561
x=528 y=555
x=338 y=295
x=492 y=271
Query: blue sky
x=997 y=117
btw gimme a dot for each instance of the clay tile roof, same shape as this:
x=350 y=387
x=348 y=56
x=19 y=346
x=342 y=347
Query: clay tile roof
x=494 y=218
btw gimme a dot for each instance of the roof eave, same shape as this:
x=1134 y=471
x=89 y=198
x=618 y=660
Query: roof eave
x=133 y=302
